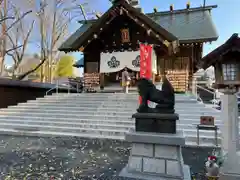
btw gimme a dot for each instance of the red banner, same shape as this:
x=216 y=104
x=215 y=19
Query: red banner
x=145 y=62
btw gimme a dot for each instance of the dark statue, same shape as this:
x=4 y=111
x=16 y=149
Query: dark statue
x=165 y=98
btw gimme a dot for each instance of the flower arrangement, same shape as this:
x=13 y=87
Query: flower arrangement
x=213 y=164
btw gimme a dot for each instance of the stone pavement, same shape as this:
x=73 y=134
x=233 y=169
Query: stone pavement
x=28 y=158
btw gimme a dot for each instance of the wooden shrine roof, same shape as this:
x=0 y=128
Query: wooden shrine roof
x=88 y=28
x=192 y=25
x=231 y=45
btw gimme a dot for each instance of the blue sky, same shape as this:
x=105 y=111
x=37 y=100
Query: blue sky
x=225 y=17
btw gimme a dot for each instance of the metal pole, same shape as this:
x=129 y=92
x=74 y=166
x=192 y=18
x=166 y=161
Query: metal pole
x=57 y=87
x=204 y=3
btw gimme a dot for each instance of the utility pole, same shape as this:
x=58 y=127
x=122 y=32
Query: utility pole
x=204 y=3
x=3 y=37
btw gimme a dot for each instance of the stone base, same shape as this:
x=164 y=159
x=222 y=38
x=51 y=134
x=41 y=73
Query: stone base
x=136 y=175
x=156 y=156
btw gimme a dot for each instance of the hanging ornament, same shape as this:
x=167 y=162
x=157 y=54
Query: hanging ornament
x=81 y=49
x=88 y=41
x=142 y=25
x=171 y=7
x=149 y=31
x=166 y=43
x=121 y=11
x=188 y=5
x=95 y=36
x=155 y=10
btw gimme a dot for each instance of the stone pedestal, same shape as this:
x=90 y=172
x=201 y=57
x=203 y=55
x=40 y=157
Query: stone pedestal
x=156 y=156
x=230 y=141
x=155 y=122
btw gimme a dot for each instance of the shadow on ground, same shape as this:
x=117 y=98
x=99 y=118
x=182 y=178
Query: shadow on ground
x=32 y=158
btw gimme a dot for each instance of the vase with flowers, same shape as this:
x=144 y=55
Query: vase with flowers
x=213 y=165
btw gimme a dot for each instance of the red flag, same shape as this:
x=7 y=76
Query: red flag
x=145 y=62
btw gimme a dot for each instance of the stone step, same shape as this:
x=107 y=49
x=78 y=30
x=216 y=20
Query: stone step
x=50 y=116
x=108 y=109
x=69 y=125
x=91 y=111
x=27 y=127
x=185 y=122
x=81 y=100
x=82 y=109
x=5 y=131
x=73 y=105
x=91 y=98
x=63 y=121
x=190 y=136
x=87 y=128
x=106 y=104
x=90 y=116
x=85 y=122
x=191 y=141
x=87 y=104
x=107 y=95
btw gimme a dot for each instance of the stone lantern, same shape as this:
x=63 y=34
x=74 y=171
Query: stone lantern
x=225 y=60
x=228 y=82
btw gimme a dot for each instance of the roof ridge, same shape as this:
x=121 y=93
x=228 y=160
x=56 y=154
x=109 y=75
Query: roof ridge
x=178 y=11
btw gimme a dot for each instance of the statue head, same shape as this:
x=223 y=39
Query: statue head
x=144 y=85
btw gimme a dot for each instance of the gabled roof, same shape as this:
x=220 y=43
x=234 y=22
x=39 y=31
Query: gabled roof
x=193 y=25
x=232 y=44
x=87 y=29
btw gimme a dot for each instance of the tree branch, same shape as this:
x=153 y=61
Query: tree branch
x=19 y=19
x=22 y=76
x=14 y=48
x=6 y=18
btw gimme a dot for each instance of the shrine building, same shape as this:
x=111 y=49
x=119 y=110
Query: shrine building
x=111 y=42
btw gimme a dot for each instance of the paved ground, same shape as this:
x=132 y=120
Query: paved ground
x=72 y=159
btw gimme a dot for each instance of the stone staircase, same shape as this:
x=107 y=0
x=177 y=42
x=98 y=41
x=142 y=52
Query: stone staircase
x=97 y=115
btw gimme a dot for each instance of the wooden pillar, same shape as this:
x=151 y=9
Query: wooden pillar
x=102 y=80
x=153 y=78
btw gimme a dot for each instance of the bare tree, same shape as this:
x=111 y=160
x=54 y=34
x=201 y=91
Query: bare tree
x=53 y=19
x=52 y=23
x=5 y=28
x=18 y=36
